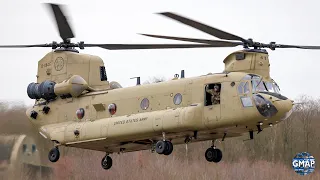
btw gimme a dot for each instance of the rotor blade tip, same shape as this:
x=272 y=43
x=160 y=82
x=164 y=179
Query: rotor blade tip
x=143 y=34
x=163 y=13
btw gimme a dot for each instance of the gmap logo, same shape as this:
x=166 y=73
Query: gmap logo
x=303 y=163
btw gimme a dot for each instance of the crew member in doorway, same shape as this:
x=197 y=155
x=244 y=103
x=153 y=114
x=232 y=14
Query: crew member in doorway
x=215 y=94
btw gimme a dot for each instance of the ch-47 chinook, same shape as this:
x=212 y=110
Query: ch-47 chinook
x=76 y=105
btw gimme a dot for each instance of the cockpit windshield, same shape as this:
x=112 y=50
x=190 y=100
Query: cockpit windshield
x=272 y=87
x=258 y=85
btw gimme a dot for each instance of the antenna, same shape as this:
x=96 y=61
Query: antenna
x=182 y=74
x=138 y=80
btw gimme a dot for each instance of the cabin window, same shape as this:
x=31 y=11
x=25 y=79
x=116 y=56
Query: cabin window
x=112 y=108
x=24 y=148
x=212 y=92
x=246 y=101
x=103 y=74
x=177 y=99
x=80 y=113
x=34 y=148
x=144 y=104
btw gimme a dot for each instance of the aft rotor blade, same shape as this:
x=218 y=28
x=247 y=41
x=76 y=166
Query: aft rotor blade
x=148 y=46
x=204 y=28
x=216 y=43
x=61 y=21
x=25 y=46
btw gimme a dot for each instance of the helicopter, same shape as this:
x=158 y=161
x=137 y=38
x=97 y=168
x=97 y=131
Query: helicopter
x=76 y=105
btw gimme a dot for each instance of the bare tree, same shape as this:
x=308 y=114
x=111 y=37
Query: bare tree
x=308 y=109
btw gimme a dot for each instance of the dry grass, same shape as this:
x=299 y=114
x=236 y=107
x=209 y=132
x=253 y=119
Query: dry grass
x=268 y=156
x=143 y=165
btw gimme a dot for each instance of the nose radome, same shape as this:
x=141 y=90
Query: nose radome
x=284 y=107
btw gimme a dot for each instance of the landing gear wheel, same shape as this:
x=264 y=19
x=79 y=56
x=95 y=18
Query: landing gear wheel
x=213 y=155
x=169 y=148
x=161 y=146
x=106 y=162
x=54 y=154
x=219 y=156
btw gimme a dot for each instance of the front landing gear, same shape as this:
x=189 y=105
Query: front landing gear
x=54 y=154
x=106 y=162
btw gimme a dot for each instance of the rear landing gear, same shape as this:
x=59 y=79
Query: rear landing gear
x=106 y=162
x=164 y=147
x=213 y=154
x=54 y=154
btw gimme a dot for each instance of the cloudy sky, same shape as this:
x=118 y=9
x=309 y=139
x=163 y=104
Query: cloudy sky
x=99 y=21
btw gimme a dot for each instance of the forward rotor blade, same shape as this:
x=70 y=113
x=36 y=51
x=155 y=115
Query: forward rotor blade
x=204 y=28
x=296 y=46
x=147 y=46
x=25 y=46
x=61 y=21
x=216 y=43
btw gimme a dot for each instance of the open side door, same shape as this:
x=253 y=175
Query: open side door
x=212 y=105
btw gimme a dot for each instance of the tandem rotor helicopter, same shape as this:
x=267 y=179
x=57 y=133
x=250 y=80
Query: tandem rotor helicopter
x=76 y=105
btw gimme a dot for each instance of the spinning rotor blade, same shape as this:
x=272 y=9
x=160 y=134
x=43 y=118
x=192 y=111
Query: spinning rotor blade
x=25 y=46
x=150 y=46
x=204 y=28
x=61 y=21
x=295 y=46
x=222 y=35
x=215 y=43
x=66 y=34
x=81 y=45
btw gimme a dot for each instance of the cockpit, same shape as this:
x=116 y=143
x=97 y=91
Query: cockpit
x=258 y=85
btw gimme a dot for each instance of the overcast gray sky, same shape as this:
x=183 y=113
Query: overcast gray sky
x=99 y=21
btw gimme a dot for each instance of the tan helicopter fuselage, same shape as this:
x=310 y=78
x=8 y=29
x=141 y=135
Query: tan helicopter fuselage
x=144 y=112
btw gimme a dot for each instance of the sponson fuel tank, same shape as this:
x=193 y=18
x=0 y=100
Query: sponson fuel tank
x=137 y=125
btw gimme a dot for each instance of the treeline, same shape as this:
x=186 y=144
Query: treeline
x=268 y=156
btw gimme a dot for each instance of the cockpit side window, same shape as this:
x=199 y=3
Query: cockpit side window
x=243 y=88
x=240 y=88
x=246 y=88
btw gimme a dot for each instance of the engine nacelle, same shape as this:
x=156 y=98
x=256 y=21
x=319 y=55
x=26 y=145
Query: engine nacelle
x=49 y=90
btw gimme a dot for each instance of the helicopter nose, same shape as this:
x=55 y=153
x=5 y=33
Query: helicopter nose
x=284 y=107
x=273 y=106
